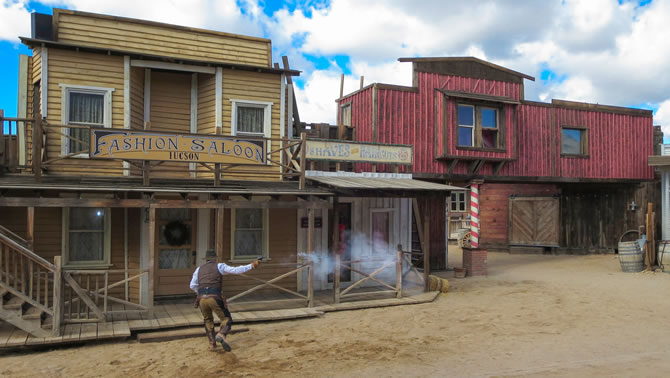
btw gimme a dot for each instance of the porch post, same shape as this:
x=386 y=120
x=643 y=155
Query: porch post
x=398 y=272
x=218 y=232
x=152 y=253
x=310 y=251
x=30 y=227
x=57 y=318
x=336 y=251
x=426 y=244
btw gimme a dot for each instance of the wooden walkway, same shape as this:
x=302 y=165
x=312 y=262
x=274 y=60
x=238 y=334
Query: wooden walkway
x=167 y=316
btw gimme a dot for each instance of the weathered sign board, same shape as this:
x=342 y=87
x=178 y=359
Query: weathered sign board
x=359 y=152
x=190 y=148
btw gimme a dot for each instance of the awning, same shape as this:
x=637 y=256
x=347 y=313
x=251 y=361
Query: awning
x=372 y=183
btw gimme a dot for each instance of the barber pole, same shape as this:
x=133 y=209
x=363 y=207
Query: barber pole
x=474 y=215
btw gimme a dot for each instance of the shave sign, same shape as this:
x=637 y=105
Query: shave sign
x=160 y=146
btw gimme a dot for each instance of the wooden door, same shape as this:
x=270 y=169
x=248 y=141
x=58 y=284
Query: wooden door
x=175 y=250
x=534 y=221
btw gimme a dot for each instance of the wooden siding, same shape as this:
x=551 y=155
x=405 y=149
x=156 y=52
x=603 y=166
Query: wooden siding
x=80 y=68
x=206 y=104
x=618 y=144
x=37 y=64
x=436 y=206
x=494 y=209
x=136 y=98
x=252 y=86
x=159 y=39
x=282 y=245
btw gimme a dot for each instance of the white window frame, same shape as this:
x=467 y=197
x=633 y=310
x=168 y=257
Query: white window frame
x=472 y=127
x=391 y=212
x=266 y=237
x=65 y=252
x=342 y=111
x=267 y=117
x=458 y=202
x=66 y=89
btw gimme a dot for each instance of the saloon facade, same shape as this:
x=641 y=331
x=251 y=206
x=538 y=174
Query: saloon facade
x=137 y=147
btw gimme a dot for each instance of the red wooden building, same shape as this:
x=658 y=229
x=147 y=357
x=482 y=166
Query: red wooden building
x=552 y=175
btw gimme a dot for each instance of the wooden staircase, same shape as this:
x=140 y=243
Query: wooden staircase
x=27 y=287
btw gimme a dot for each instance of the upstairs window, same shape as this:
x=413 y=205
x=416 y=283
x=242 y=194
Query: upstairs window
x=84 y=106
x=478 y=126
x=345 y=115
x=251 y=118
x=574 y=141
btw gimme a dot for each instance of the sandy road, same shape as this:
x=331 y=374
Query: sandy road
x=532 y=316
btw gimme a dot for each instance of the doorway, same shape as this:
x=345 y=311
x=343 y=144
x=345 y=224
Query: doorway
x=175 y=250
x=345 y=241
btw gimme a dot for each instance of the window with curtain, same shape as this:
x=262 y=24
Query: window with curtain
x=249 y=233
x=250 y=120
x=85 y=235
x=478 y=126
x=86 y=108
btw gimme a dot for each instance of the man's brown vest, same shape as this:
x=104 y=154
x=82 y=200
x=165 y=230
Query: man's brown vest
x=209 y=275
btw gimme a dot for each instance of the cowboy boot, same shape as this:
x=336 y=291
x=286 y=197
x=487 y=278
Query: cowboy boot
x=212 y=340
x=221 y=337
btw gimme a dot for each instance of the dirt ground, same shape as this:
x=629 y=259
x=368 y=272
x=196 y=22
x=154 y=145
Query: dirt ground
x=543 y=316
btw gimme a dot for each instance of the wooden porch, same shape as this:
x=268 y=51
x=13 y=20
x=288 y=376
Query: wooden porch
x=169 y=316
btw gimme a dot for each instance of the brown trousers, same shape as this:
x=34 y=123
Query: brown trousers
x=214 y=305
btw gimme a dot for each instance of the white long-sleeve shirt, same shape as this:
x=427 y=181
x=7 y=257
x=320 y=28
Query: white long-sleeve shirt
x=223 y=269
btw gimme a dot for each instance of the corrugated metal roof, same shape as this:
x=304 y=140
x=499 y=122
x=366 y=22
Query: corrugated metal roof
x=377 y=183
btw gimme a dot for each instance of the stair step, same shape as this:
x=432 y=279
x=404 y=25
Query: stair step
x=33 y=313
x=13 y=304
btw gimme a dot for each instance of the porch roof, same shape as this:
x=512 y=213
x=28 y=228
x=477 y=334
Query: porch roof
x=116 y=184
x=373 y=183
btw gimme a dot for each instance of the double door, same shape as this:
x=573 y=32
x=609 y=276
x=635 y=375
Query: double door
x=175 y=251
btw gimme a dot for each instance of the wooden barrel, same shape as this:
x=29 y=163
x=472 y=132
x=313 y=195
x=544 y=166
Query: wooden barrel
x=631 y=257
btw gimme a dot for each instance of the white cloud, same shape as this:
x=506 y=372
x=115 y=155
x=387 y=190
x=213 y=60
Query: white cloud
x=15 y=20
x=662 y=117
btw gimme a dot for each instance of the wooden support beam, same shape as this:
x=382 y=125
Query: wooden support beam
x=310 y=251
x=451 y=166
x=472 y=166
x=37 y=146
x=303 y=162
x=418 y=220
x=336 y=251
x=426 y=251
x=498 y=167
x=30 y=226
x=361 y=84
x=398 y=271
x=152 y=259
x=159 y=203
x=479 y=166
x=218 y=227
x=296 y=115
x=57 y=318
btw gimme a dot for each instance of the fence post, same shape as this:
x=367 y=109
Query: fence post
x=37 y=146
x=303 y=163
x=398 y=272
x=310 y=251
x=57 y=318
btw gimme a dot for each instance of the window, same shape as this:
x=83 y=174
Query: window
x=86 y=236
x=84 y=106
x=251 y=118
x=574 y=141
x=478 y=126
x=249 y=228
x=345 y=115
x=458 y=202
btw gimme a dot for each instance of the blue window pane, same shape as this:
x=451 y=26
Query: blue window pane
x=465 y=136
x=466 y=115
x=489 y=118
x=571 y=143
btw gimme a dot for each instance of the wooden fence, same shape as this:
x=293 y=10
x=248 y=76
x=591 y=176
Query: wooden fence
x=309 y=267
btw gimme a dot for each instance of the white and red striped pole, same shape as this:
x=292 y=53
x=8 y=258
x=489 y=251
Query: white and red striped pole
x=474 y=215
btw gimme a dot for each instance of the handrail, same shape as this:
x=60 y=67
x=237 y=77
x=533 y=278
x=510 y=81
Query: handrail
x=23 y=250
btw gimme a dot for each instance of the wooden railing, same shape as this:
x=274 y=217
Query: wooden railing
x=28 y=276
x=309 y=298
x=385 y=264
x=14 y=155
x=88 y=295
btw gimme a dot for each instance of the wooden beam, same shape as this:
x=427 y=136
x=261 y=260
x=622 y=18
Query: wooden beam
x=167 y=204
x=336 y=249
x=57 y=318
x=303 y=162
x=419 y=226
x=152 y=259
x=498 y=167
x=398 y=271
x=37 y=146
x=296 y=115
x=479 y=166
x=218 y=227
x=30 y=226
x=172 y=66
x=426 y=251
x=451 y=166
x=310 y=251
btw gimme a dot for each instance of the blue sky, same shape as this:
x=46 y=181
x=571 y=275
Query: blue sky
x=602 y=51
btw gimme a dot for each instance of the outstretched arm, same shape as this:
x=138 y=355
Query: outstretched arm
x=227 y=269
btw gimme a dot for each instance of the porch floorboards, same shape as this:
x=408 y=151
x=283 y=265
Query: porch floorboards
x=175 y=315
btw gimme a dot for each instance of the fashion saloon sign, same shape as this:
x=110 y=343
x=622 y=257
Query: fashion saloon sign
x=147 y=145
